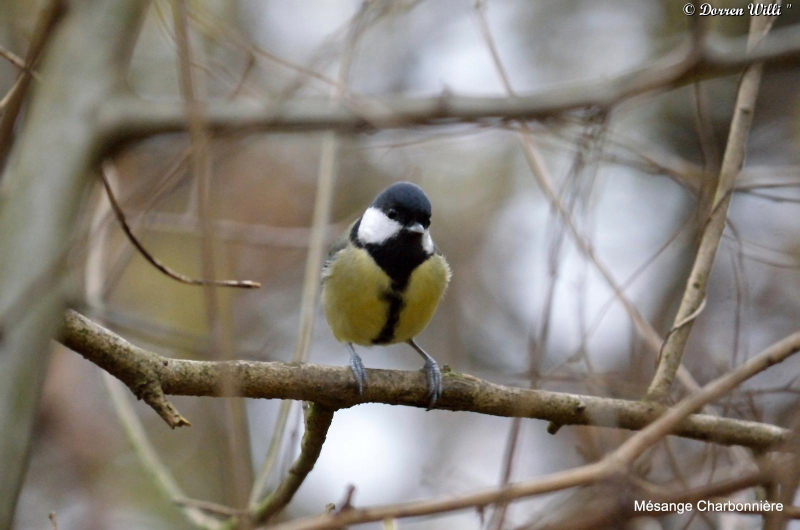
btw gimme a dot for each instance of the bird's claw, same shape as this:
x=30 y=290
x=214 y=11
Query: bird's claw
x=359 y=372
x=434 y=375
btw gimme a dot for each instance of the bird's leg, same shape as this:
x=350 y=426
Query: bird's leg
x=431 y=369
x=358 y=369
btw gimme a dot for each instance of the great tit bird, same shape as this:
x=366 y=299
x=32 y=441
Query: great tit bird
x=384 y=278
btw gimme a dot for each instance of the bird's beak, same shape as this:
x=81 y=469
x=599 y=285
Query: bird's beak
x=416 y=228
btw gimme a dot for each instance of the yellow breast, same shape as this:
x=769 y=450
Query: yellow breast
x=421 y=298
x=355 y=300
x=352 y=297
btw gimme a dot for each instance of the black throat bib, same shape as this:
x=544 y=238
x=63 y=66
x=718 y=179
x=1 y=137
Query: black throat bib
x=398 y=256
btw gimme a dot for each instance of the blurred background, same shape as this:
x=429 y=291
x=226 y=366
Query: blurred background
x=526 y=306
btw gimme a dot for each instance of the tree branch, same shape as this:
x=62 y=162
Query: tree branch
x=148 y=456
x=615 y=465
x=130 y=118
x=333 y=388
x=694 y=295
x=674 y=416
x=139 y=369
x=584 y=475
x=318 y=421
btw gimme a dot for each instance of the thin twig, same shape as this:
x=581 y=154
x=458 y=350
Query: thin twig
x=688 y=319
x=319 y=224
x=152 y=464
x=260 y=483
x=234 y=413
x=159 y=473
x=601 y=313
x=541 y=173
x=255 y=234
x=107 y=170
x=48 y=19
x=210 y=507
x=203 y=18
x=316 y=250
x=17 y=61
x=499 y=515
x=326 y=179
x=11 y=93
x=318 y=421
x=544 y=180
x=697 y=283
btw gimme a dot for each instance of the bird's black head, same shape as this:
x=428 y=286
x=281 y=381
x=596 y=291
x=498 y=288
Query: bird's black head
x=394 y=230
x=405 y=203
x=400 y=214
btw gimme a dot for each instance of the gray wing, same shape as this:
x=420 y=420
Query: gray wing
x=337 y=247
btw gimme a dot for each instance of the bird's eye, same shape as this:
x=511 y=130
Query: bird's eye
x=392 y=214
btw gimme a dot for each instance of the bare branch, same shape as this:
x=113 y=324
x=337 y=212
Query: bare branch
x=210 y=507
x=129 y=118
x=622 y=506
x=588 y=474
x=51 y=14
x=192 y=88
x=108 y=169
x=666 y=424
x=17 y=61
x=137 y=368
x=148 y=456
x=260 y=482
x=333 y=387
x=318 y=421
x=316 y=251
x=614 y=465
x=694 y=296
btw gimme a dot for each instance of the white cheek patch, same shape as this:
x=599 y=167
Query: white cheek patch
x=376 y=228
x=427 y=242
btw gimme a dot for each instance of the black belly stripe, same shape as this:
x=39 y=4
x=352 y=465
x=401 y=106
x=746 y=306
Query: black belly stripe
x=396 y=303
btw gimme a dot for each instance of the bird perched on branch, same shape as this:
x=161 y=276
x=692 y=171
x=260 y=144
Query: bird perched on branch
x=384 y=278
